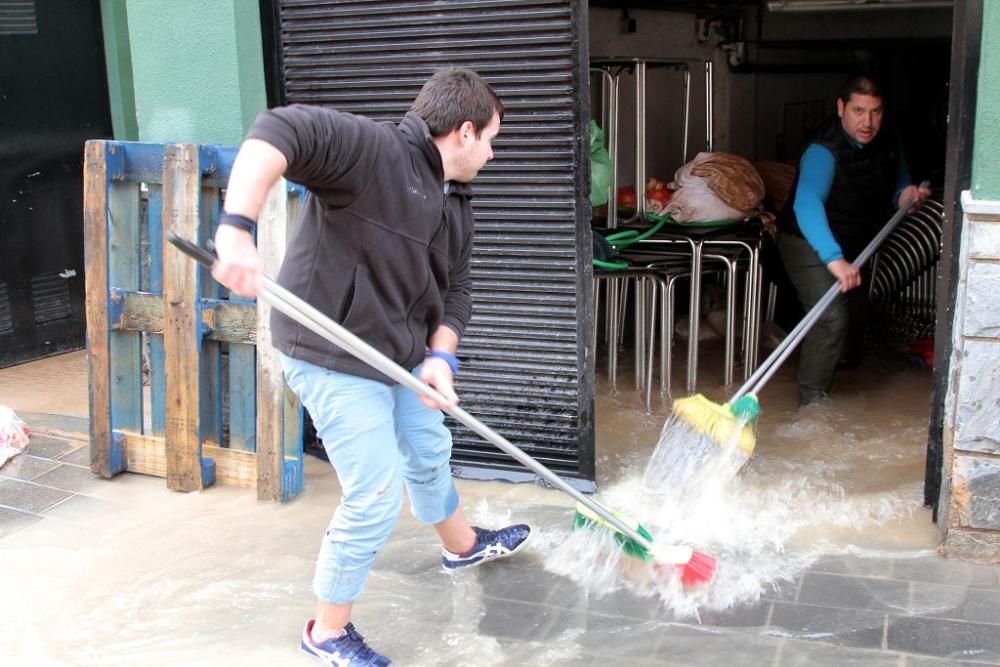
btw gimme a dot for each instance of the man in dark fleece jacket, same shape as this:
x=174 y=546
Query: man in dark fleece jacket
x=383 y=246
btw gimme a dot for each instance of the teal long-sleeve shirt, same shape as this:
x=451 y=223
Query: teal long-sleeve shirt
x=816 y=171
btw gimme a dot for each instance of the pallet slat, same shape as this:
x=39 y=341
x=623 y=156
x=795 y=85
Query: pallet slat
x=272 y=234
x=221 y=320
x=147 y=455
x=157 y=372
x=182 y=339
x=104 y=460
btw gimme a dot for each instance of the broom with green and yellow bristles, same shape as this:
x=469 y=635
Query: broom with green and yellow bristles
x=694 y=567
x=732 y=424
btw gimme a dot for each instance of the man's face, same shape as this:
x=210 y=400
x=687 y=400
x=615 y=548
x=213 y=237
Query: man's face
x=476 y=150
x=861 y=116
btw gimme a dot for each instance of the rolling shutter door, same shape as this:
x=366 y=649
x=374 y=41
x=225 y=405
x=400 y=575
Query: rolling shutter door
x=526 y=371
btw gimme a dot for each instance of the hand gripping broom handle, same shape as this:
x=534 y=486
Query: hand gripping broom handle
x=311 y=318
x=770 y=365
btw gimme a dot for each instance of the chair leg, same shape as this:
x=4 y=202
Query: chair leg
x=640 y=332
x=612 y=314
x=654 y=295
x=730 y=320
x=755 y=323
x=597 y=312
x=670 y=328
x=746 y=344
x=694 y=316
x=666 y=334
x=772 y=302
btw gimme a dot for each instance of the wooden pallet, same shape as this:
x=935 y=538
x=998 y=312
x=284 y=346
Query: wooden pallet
x=209 y=404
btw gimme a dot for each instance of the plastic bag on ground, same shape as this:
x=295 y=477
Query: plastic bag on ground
x=13 y=435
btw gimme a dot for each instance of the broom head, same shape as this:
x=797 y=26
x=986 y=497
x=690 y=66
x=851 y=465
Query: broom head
x=699 y=569
x=587 y=517
x=696 y=567
x=715 y=421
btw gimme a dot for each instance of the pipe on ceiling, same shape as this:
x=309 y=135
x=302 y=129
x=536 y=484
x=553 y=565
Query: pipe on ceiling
x=854 y=5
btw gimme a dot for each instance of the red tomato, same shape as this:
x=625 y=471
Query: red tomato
x=662 y=196
x=656 y=200
x=626 y=197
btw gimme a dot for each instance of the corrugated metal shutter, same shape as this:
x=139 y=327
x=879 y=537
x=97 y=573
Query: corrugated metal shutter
x=526 y=371
x=17 y=17
x=6 y=317
x=50 y=296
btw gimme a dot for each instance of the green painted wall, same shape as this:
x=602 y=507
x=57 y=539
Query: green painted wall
x=197 y=67
x=118 y=57
x=986 y=138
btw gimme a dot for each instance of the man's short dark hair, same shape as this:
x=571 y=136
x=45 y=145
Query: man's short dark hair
x=861 y=83
x=451 y=97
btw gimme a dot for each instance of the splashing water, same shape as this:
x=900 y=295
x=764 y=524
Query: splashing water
x=763 y=531
x=684 y=458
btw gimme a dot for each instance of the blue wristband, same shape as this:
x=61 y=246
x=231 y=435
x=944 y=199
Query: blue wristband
x=447 y=356
x=237 y=220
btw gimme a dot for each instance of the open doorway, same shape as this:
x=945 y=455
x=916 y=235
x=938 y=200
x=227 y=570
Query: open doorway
x=55 y=97
x=863 y=455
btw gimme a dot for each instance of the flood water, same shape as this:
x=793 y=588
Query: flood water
x=843 y=476
x=130 y=573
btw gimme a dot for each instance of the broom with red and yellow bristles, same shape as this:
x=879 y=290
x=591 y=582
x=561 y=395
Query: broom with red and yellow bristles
x=732 y=424
x=635 y=540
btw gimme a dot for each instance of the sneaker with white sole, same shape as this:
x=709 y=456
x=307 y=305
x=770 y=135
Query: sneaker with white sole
x=490 y=545
x=350 y=650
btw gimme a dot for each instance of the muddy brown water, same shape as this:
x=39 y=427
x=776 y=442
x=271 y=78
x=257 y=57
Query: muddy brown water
x=135 y=574
x=843 y=476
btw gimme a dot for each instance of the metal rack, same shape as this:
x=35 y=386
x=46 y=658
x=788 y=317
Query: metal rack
x=904 y=271
x=611 y=70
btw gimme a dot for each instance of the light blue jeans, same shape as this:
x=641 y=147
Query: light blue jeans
x=378 y=437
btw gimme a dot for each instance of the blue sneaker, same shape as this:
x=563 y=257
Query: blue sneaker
x=490 y=545
x=347 y=651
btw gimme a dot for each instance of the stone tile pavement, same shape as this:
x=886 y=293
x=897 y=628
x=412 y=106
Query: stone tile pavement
x=49 y=478
x=921 y=612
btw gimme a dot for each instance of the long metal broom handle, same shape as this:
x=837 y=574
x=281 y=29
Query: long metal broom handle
x=770 y=365
x=314 y=320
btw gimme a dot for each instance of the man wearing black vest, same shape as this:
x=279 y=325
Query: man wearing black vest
x=851 y=178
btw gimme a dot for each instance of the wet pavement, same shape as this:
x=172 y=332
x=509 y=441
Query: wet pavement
x=37 y=484
x=125 y=572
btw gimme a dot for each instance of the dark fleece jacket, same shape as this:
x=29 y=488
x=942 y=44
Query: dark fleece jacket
x=379 y=247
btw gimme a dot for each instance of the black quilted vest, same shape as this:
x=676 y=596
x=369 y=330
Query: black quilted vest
x=864 y=182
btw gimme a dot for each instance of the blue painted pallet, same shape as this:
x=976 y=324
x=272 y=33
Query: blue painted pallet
x=201 y=358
